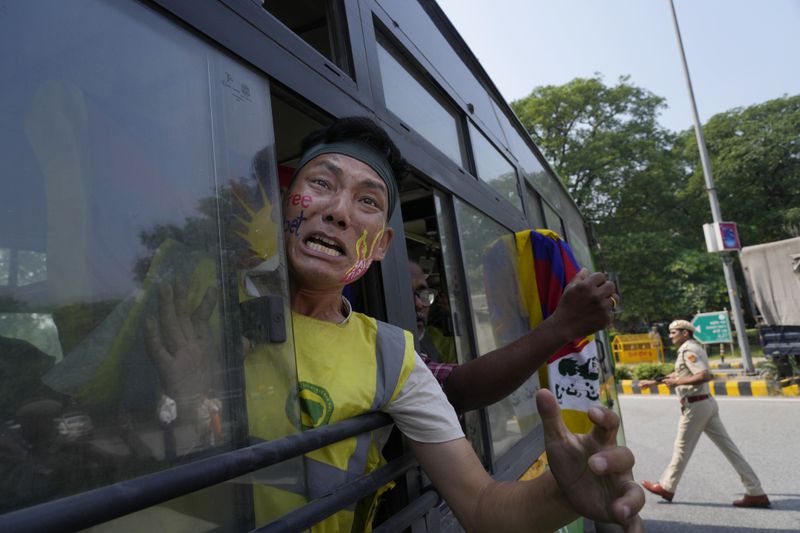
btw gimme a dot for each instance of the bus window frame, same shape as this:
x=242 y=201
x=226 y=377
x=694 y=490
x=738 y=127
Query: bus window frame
x=272 y=28
x=533 y=209
x=516 y=460
x=448 y=223
x=381 y=31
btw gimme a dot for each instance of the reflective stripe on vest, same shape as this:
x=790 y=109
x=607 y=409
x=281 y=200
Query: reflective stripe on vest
x=323 y=478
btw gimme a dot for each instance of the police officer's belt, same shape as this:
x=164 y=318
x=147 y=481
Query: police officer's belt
x=692 y=399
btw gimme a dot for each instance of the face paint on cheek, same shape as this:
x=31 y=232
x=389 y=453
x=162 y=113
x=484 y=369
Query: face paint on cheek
x=292 y=227
x=303 y=200
x=363 y=257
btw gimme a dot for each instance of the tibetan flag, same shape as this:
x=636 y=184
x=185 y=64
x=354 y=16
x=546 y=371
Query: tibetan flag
x=545 y=265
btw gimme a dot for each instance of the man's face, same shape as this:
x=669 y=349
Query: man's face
x=678 y=336
x=422 y=306
x=334 y=221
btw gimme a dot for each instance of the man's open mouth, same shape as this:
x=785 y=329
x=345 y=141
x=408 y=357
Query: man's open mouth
x=324 y=245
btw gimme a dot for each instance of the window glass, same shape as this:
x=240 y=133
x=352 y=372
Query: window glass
x=580 y=248
x=455 y=292
x=321 y=24
x=535 y=216
x=498 y=315
x=458 y=77
x=417 y=104
x=139 y=163
x=5 y=265
x=552 y=220
x=493 y=168
x=457 y=295
x=32 y=267
x=551 y=189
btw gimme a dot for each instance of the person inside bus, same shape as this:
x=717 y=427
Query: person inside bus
x=582 y=310
x=434 y=344
x=354 y=364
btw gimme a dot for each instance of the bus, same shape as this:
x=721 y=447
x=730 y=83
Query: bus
x=145 y=141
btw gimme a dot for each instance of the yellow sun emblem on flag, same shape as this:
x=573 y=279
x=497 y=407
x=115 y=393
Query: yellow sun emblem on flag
x=261 y=232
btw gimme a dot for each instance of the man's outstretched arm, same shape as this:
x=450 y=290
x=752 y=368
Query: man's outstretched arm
x=585 y=307
x=590 y=476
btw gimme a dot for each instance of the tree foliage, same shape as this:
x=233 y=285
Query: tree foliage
x=619 y=165
x=596 y=137
x=642 y=190
x=755 y=161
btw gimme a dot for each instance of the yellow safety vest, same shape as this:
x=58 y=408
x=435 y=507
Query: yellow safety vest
x=343 y=370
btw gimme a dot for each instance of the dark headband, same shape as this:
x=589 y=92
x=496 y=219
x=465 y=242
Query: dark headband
x=364 y=153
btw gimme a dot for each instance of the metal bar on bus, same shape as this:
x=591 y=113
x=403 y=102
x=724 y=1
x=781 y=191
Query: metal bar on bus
x=321 y=508
x=411 y=512
x=100 y=505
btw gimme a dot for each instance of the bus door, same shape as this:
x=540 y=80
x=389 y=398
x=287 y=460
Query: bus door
x=472 y=314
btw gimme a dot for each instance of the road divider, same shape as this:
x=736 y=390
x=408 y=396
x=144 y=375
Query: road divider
x=756 y=387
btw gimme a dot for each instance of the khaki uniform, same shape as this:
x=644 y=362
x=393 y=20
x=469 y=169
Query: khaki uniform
x=700 y=413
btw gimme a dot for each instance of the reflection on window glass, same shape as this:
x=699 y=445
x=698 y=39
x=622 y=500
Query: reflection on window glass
x=579 y=248
x=5 y=265
x=417 y=105
x=493 y=168
x=142 y=167
x=458 y=315
x=535 y=216
x=321 y=24
x=35 y=328
x=455 y=292
x=498 y=315
x=552 y=220
x=32 y=267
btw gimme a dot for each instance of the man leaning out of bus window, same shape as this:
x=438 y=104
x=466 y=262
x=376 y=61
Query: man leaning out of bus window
x=584 y=308
x=347 y=177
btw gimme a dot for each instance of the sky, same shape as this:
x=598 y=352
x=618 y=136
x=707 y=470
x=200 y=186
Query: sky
x=739 y=52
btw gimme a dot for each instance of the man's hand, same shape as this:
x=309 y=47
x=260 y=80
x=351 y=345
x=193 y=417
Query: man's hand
x=586 y=305
x=181 y=345
x=593 y=473
x=671 y=381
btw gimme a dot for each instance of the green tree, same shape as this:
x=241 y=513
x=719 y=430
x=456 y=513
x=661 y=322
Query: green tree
x=595 y=137
x=755 y=161
x=620 y=167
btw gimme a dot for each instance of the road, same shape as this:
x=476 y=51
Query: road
x=767 y=431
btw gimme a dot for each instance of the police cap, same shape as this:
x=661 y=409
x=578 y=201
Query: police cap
x=681 y=324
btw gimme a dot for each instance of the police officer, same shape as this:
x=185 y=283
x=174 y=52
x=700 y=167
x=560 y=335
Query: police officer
x=699 y=413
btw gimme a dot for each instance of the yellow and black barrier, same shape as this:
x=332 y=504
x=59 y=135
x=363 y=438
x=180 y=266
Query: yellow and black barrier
x=758 y=387
x=717 y=365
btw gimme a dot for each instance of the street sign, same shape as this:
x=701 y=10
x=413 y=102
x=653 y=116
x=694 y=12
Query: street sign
x=712 y=328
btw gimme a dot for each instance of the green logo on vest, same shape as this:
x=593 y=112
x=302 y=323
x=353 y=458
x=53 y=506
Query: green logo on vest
x=316 y=406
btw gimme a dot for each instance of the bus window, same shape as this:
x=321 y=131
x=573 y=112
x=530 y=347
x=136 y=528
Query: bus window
x=552 y=220
x=498 y=316
x=293 y=120
x=439 y=337
x=428 y=228
x=493 y=168
x=580 y=248
x=535 y=215
x=418 y=103
x=142 y=160
x=321 y=24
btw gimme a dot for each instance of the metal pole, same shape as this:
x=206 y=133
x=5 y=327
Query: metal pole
x=727 y=260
